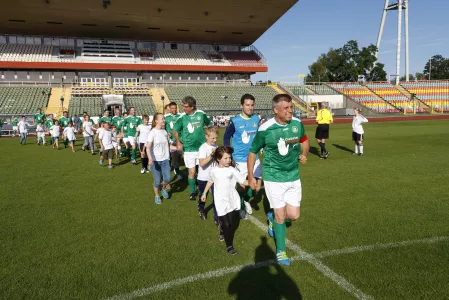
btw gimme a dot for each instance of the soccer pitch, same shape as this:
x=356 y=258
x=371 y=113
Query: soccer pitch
x=371 y=227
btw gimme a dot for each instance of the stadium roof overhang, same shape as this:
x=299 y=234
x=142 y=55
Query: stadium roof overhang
x=239 y=22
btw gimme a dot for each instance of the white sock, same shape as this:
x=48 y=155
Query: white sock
x=356 y=149
x=361 y=149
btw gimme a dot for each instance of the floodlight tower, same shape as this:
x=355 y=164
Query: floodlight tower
x=399 y=5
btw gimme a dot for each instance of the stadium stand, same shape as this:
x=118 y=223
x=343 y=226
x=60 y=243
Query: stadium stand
x=23 y=99
x=222 y=99
x=23 y=52
x=90 y=104
x=247 y=58
x=298 y=90
x=143 y=104
x=389 y=93
x=364 y=96
x=433 y=93
x=321 y=89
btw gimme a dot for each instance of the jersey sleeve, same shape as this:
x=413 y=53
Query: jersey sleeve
x=202 y=152
x=230 y=130
x=178 y=125
x=207 y=121
x=258 y=142
x=239 y=177
x=150 y=136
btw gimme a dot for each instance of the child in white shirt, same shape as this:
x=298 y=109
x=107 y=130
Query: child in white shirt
x=206 y=163
x=227 y=199
x=106 y=139
x=99 y=132
x=142 y=132
x=40 y=134
x=88 y=134
x=23 y=131
x=69 y=132
x=55 y=129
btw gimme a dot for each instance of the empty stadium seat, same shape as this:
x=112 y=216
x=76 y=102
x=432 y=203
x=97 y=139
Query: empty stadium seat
x=434 y=93
x=23 y=99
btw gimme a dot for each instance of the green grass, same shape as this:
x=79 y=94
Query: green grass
x=70 y=229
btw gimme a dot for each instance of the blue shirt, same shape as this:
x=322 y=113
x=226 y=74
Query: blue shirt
x=242 y=132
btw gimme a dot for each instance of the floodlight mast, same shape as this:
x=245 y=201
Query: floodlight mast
x=399 y=6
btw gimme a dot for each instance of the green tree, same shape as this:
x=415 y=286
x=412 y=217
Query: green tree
x=346 y=64
x=411 y=77
x=440 y=68
x=419 y=76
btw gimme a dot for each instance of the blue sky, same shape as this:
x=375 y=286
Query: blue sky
x=311 y=27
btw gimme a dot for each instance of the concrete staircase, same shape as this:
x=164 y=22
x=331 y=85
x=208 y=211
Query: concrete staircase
x=418 y=102
x=156 y=95
x=310 y=91
x=54 y=103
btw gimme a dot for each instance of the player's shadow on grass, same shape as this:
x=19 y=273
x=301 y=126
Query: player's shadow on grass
x=314 y=150
x=265 y=279
x=259 y=199
x=342 y=148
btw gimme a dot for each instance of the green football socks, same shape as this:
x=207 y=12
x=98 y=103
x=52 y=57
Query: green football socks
x=133 y=154
x=280 y=234
x=192 y=185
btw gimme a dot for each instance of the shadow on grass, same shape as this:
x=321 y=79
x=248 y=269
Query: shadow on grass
x=343 y=148
x=268 y=281
x=314 y=151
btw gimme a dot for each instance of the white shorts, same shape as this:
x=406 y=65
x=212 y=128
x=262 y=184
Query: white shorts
x=131 y=140
x=125 y=140
x=15 y=128
x=242 y=167
x=281 y=193
x=114 y=144
x=191 y=159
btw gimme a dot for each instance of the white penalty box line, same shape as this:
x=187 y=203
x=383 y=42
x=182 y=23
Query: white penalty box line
x=302 y=256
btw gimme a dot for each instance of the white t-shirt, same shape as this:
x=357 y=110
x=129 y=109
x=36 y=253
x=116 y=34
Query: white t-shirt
x=144 y=131
x=357 y=124
x=99 y=131
x=160 y=150
x=39 y=128
x=22 y=127
x=106 y=139
x=87 y=127
x=55 y=130
x=226 y=197
x=69 y=132
x=204 y=152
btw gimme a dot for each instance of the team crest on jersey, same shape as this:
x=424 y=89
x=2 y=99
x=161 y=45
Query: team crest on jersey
x=171 y=124
x=190 y=128
x=295 y=129
x=254 y=124
x=198 y=118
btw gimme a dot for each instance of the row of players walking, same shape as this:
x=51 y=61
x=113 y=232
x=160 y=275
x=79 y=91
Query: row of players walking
x=218 y=169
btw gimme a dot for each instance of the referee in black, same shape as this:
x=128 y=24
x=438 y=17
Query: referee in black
x=323 y=119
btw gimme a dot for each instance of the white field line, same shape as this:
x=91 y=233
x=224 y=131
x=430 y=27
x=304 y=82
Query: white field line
x=301 y=257
x=325 y=270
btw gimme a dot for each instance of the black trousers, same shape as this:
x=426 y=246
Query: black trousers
x=228 y=225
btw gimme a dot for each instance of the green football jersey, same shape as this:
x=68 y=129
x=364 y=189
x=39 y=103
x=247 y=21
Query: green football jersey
x=64 y=122
x=281 y=144
x=170 y=121
x=192 y=129
x=39 y=118
x=132 y=122
x=14 y=121
x=49 y=123
x=105 y=119
x=118 y=122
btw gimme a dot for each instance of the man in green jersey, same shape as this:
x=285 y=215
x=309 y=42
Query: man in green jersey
x=48 y=123
x=117 y=121
x=284 y=141
x=14 y=124
x=64 y=122
x=131 y=123
x=39 y=118
x=170 y=121
x=191 y=124
x=105 y=118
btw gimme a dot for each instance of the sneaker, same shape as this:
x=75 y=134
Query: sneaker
x=192 y=196
x=147 y=170
x=110 y=167
x=179 y=177
x=157 y=200
x=353 y=153
x=360 y=154
x=165 y=194
x=231 y=250
x=321 y=156
x=134 y=162
x=270 y=217
x=142 y=171
x=221 y=237
x=101 y=163
x=202 y=215
x=248 y=208
x=243 y=215
x=327 y=155
x=282 y=258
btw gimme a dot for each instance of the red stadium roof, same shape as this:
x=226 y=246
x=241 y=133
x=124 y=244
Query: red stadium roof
x=239 y=22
